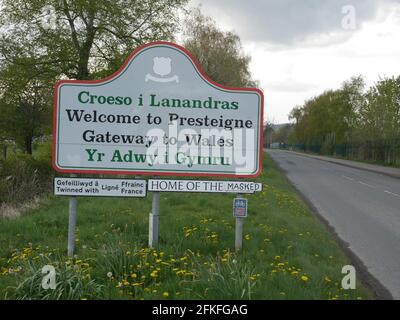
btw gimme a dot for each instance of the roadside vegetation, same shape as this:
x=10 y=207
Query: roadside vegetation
x=24 y=179
x=287 y=254
x=351 y=122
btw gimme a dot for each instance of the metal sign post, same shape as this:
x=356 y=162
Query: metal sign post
x=72 y=223
x=238 y=234
x=153 y=220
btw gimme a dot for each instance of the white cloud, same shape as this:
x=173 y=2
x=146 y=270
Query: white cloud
x=287 y=22
x=300 y=51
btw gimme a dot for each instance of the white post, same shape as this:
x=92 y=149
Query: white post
x=239 y=234
x=153 y=220
x=72 y=224
x=239 y=230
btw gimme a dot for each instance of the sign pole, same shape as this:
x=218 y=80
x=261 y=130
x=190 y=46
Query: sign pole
x=239 y=229
x=72 y=224
x=153 y=220
x=239 y=233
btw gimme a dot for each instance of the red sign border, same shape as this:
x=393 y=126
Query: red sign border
x=155 y=173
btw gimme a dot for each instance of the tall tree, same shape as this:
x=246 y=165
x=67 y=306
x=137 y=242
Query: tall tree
x=79 y=38
x=219 y=53
x=351 y=101
x=380 y=115
x=330 y=118
x=25 y=103
x=42 y=40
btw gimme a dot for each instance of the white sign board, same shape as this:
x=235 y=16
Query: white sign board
x=161 y=185
x=99 y=187
x=160 y=115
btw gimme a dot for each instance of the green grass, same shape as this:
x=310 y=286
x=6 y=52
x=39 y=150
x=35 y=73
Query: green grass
x=287 y=253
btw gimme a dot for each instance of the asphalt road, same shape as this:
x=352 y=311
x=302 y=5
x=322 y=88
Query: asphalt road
x=363 y=207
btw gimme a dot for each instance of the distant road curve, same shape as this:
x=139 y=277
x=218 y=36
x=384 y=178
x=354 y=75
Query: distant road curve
x=362 y=206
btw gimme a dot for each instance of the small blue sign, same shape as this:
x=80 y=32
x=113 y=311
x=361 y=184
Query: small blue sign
x=240 y=208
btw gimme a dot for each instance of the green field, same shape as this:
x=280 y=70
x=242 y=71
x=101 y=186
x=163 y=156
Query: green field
x=287 y=253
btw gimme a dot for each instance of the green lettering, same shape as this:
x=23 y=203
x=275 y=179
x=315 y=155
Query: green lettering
x=80 y=96
x=117 y=156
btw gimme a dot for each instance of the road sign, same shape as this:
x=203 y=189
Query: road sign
x=161 y=185
x=159 y=115
x=99 y=187
x=240 y=208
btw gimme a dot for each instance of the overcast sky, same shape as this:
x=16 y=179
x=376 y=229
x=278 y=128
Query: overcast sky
x=299 y=48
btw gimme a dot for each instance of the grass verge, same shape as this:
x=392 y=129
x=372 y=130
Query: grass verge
x=287 y=254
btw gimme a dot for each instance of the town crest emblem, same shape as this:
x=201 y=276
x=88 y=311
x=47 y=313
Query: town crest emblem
x=162 y=67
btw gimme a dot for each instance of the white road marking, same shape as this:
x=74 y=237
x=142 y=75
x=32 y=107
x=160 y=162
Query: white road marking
x=366 y=184
x=393 y=194
x=348 y=178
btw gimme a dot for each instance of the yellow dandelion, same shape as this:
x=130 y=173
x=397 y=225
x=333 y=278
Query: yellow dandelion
x=165 y=294
x=304 y=278
x=181 y=273
x=137 y=284
x=154 y=274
